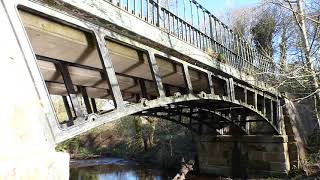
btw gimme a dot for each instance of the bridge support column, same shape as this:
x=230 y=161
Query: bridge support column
x=26 y=146
x=26 y=139
x=27 y=151
x=244 y=156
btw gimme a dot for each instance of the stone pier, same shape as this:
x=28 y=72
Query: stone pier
x=244 y=156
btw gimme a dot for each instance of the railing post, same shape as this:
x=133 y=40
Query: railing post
x=243 y=59
x=191 y=12
x=135 y=7
x=152 y=7
x=147 y=4
x=128 y=5
x=217 y=36
x=158 y=14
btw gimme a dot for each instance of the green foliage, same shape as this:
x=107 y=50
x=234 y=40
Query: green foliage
x=124 y=139
x=75 y=146
x=263 y=32
x=221 y=57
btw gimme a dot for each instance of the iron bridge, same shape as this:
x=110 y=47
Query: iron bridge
x=97 y=61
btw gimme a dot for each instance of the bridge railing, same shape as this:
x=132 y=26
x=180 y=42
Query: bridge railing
x=192 y=23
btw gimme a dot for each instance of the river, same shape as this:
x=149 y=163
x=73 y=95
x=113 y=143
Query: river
x=118 y=169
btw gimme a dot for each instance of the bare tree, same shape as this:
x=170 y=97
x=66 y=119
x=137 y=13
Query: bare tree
x=300 y=18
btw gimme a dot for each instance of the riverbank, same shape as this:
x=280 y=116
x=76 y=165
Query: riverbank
x=163 y=145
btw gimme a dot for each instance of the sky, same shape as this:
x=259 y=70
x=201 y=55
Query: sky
x=219 y=7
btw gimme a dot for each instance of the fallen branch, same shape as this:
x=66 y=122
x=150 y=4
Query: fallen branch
x=185 y=168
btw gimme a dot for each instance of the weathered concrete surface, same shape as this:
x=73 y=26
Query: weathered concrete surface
x=244 y=156
x=37 y=166
x=27 y=145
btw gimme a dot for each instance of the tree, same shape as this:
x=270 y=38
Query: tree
x=138 y=132
x=263 y=32
x=300 y=19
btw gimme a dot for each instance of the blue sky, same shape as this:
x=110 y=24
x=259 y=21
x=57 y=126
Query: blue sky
x=218 y=7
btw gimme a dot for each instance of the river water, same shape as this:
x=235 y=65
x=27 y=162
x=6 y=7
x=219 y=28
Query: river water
x=118 y=169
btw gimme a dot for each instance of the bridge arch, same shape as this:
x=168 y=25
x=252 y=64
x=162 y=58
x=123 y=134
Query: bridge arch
x=211 y=111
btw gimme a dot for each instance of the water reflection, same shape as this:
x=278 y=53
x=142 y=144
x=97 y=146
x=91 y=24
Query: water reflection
x=113 y=169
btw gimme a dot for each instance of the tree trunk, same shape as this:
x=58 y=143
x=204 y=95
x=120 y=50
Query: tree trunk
x=283 y=51
x=152 y=123
x=306 y=48
x=138 y=135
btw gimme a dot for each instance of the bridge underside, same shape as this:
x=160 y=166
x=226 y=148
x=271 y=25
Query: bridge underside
x=94 y=76
x=212 y=116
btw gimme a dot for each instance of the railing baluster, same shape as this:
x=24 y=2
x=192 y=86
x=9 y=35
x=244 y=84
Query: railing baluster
x=215 y=29
x=158 y=14
x=242 y=55
x=230 y=45
x=182 y=29
x=178 y=29
x=141 y=8
x=221 y=34
x=198 y=17
x=173 y=25
x=184 y=10
x=152 y=7
x=128 y=4
x=204 y=22
x=169 y=25
x=211 y=33
x=134 y=7
x=198 y=39
x=224 y=35
x=191 y=12
x=164 y=19
x=187 y=25
x=248 y=56
x=147 y=3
